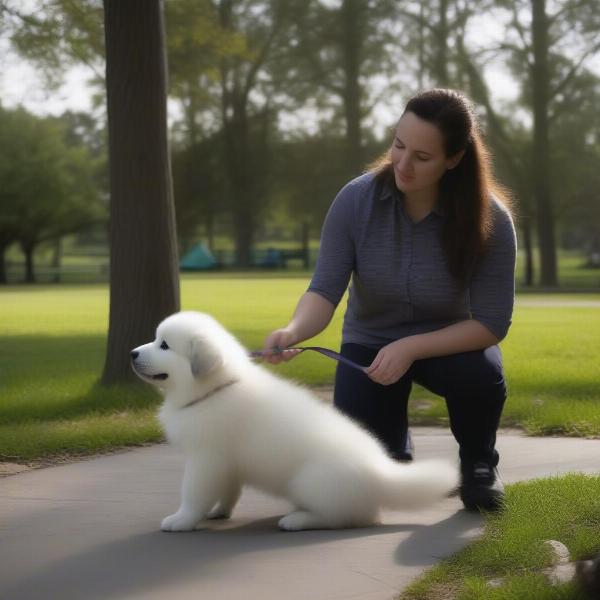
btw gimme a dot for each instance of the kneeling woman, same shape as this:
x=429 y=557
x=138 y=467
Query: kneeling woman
x=427 y=237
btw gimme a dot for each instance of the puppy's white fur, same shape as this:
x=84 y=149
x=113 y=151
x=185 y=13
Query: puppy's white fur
x=252 y=427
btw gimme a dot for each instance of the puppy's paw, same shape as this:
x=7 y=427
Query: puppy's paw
x=297 y=521
x=179 y=522
x=218 y=513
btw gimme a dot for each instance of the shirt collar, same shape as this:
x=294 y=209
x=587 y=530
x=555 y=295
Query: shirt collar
x=390 y=190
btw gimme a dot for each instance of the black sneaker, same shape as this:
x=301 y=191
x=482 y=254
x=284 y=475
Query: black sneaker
x=481 y=488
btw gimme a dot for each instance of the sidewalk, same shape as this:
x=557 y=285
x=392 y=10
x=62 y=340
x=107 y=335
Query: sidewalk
x=90 y=531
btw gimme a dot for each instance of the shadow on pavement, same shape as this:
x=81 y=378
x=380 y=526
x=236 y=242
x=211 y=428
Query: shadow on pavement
x=440 y=539
x=143 y=562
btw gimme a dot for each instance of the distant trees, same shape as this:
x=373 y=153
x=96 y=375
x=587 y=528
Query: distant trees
x=222 y=50
x=47 y=185
x=546 y=48
x=335 y=55
x=263 y=58
x=261 y=83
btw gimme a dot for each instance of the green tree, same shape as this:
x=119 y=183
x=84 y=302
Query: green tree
x=336 y=59
x=547 y=48
x=546 y=53
x=56 y=34
x=305 y=183
x=196 y=44
x=222 y=52
x=199 y=180
x=246 y=113
x=435 y=32
x=47 y=186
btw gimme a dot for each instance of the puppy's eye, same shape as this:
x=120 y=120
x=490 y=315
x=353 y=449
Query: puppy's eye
x=164 y=346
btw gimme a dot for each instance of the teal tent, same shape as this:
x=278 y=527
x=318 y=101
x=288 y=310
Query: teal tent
x=198 y=259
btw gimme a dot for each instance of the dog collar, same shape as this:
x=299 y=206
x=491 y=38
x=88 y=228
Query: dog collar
x=214 y=391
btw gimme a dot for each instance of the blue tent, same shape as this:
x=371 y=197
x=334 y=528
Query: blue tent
x=198 y=259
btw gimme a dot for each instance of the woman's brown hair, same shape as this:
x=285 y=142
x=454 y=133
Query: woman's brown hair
x=466 y=189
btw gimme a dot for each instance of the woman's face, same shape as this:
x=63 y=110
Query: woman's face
x=418 y=155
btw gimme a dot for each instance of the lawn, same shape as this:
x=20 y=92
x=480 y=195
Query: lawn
x=512 y=548
x=54 y=342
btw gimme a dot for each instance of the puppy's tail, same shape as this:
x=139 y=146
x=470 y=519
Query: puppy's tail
x=416 y=484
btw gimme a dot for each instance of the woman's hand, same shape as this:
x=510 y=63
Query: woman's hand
x=274 y=347
x=391 y=362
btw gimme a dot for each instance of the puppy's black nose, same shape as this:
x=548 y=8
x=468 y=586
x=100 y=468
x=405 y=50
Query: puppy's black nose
x=134 y=354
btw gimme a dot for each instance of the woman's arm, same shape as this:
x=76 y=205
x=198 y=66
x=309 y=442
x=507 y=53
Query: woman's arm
x=313 y=313
x=393 y=360
x=329 y=282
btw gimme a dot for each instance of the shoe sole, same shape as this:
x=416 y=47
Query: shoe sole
x=486 y=503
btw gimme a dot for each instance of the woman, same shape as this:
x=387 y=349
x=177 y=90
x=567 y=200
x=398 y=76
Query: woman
x=428 y=240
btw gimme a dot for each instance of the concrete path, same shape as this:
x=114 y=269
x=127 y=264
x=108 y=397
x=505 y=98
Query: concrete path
x=90 y=531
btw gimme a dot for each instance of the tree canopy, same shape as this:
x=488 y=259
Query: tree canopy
x=279 y=101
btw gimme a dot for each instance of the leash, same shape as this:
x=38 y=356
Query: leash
x=325 y=351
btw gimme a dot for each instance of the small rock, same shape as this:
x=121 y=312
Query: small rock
x=560 y=552
x=561 y=573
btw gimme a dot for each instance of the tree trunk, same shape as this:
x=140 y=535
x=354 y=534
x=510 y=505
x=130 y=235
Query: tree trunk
x=234 y=107
x=528 y=247
x=352 y=40
x=241 y=184
x=541 y=158
x=421 y=47
x=56 y=259
x=441 y=46
x=144 y=283
x=210 y=231
x=3 y=270
x=306 y=243
x=28 y=249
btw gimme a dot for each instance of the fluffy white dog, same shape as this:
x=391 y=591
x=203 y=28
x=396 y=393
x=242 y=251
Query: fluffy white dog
x=237 y=424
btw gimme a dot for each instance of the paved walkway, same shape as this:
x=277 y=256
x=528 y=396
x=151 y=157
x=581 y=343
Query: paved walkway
x=90 y=531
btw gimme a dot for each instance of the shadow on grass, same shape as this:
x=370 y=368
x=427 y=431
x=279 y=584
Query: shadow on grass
x=48 y=378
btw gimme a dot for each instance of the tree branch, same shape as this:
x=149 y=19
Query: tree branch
x=419 y=19
x=569 y=76
x=566 y=8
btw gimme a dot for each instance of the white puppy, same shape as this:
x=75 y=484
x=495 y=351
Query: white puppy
x=237 y=424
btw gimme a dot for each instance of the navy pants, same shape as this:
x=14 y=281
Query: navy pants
x=472 y=383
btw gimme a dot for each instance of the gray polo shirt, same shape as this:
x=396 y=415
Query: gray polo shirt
x=401 y=285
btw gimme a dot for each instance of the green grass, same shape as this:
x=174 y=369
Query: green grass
x=53 y=344
x=53 y=352
x=572 y=272
x=566 y=509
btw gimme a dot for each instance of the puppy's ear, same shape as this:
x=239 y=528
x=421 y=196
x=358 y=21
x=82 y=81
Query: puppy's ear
x=205 y=357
